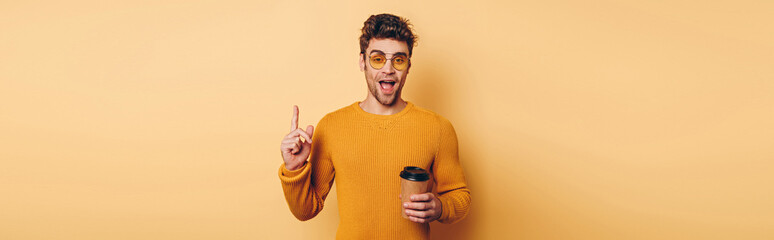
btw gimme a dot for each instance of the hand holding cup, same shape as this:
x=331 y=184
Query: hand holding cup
x=418 y=205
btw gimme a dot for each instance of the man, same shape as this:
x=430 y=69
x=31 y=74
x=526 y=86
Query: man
x=367 y=144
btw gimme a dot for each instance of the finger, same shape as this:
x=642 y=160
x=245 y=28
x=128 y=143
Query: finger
x=296 y=148
x=288 y=147
x=291 y=147
x=294 y=120
x=417 y=214
x=298 y=132
x=292 y=135
x=418 y=220
x=310 y=130
x=424 y=197
x=416 y=205
x=304 y=135
x=292 y=140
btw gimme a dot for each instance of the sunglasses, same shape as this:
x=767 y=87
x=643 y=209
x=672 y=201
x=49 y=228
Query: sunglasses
x=399 y=62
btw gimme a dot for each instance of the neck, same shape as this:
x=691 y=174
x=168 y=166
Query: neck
x=371 y=105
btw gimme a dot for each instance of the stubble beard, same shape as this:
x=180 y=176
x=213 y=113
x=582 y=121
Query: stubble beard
x=375 y=89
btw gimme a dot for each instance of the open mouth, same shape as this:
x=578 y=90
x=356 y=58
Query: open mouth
x=387 y=86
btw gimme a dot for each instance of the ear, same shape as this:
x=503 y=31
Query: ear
x=361 y=60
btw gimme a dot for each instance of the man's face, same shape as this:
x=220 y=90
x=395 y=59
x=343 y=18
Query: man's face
x=385 y=84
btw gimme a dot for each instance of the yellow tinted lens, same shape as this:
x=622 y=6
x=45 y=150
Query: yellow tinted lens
x=378 y=60
x=400 y=62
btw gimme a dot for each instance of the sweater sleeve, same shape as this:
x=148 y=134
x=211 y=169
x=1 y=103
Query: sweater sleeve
x=307 y=187
x=450 y=179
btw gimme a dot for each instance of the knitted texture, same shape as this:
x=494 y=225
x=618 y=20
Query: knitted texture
x=364 y=153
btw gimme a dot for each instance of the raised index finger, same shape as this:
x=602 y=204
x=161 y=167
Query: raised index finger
x=294 y=120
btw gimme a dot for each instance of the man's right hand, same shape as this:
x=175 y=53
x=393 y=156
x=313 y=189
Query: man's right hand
x=294 y=151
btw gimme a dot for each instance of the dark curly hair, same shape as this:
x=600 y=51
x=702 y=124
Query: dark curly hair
x=387 y=26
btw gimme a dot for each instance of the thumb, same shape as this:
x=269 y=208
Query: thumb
x=310 y=130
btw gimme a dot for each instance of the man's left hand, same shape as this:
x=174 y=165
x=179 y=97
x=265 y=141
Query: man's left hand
x=423 y=208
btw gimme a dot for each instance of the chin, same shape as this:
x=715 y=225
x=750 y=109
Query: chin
x=388 y=100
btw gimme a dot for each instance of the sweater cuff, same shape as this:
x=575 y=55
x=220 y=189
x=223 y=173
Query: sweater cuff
x=445 y=208
x=288 y=176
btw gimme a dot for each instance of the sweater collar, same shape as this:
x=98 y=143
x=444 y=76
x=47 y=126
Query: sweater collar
x=362 y=112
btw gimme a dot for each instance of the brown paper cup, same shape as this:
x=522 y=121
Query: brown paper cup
x=414 y=180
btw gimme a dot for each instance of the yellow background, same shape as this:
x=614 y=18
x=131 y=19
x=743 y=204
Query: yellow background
x=576 y=119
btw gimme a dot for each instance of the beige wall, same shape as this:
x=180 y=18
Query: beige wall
x=576 y=120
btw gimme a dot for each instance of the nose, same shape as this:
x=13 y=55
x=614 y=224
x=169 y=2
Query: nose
x=388 y=69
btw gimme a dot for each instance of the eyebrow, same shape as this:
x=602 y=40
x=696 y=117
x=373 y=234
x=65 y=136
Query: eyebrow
x=380 y=51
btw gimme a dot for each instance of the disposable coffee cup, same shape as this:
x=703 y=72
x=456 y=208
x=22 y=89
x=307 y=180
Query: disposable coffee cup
x=413 y=180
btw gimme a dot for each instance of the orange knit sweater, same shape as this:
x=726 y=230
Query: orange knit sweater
x=366 y=152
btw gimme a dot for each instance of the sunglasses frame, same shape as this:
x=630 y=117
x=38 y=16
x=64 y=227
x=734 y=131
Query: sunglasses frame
x=392 y=63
